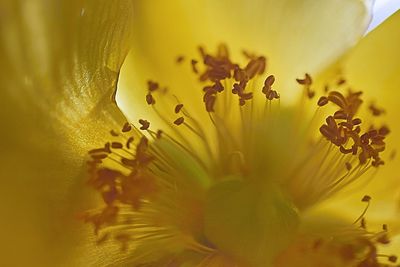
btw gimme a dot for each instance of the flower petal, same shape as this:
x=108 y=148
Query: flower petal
x=59 y=68
x=296 y=36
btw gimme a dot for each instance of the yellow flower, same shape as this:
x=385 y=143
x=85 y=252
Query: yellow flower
x=223 y=184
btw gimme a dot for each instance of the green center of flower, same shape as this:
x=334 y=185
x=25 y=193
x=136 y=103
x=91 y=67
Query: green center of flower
x=226 y=185
x=249 y=222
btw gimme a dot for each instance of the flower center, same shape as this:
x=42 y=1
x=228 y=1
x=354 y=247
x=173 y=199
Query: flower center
x=232 y=178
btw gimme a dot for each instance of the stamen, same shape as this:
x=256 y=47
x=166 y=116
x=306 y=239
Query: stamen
x=366 y=199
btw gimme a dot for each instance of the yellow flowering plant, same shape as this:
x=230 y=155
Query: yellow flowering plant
x=198 y=133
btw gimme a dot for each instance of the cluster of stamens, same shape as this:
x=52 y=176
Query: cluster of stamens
x=343 y=129
x=219 y=68
x=125 y=171
x=128 y=182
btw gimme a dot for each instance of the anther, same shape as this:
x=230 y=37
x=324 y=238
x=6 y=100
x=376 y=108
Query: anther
x=105 y=149
x=150 y=99
x=129 y=142
x=272 y=94
x=255 y=66
x=267 y=90
x=392 y=258
x=239 y=74
x=356 y=121
x=375 y=110
x=179 y=121
x=180 y=59
x=126 y=128
x=306 y=81
x=145 y=124
x=337 y=98
x=116 y=145
x=346 y=124
x=269 y=81
x=194 y=66
x=310 y=93
x=218 y=86
x=99 y=156
x=341 y=82
x=331 y=122
x=366 y=198
x=348 y=166
x=114 y=133
x=152 y=86
x=340 y=115
x=178 y=108
x=327 y=132
x=159 y=134
x=322 y=101
x=384 y=130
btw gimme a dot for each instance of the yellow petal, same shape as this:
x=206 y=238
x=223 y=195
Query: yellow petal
x=59 y=66
x=296 y=36
x=373 y=66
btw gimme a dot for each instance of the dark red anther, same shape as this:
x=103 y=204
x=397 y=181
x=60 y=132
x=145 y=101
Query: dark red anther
x=150 y=99
x=178 y=108
x=322 y=101
x=179 y=121
x=127 y=127
x=145 y=124
x=152 y=86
